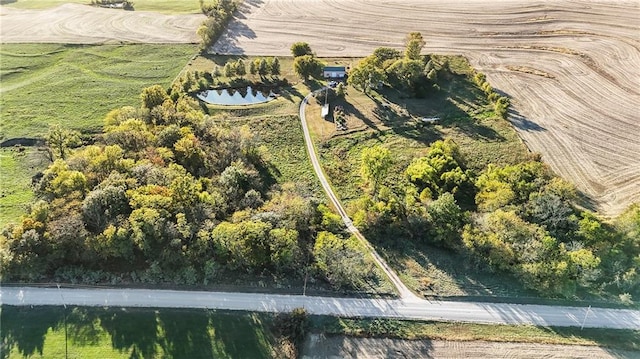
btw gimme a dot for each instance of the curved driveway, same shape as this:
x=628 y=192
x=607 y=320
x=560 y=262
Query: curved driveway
x=496 y=313
x=404 y=292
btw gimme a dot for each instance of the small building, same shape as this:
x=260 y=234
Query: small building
x=325 y=111
x=430 y=119
x=333 y=72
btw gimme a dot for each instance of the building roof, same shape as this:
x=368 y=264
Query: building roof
x=325 y=110
x=334 y=68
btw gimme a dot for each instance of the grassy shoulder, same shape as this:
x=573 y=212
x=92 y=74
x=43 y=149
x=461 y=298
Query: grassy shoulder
x=418 y=330
x=77 y=85
x=162 y=6
x=34 y=332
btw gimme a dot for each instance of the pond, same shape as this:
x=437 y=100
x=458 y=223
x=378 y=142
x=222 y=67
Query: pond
x=241 y=96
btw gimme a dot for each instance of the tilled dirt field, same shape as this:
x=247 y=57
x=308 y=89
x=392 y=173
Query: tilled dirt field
x=319 y=346
x=572 y=68
x=83 y=24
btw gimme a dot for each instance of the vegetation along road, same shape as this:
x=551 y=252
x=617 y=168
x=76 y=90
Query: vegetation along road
x=348 y=307
x=402 y=289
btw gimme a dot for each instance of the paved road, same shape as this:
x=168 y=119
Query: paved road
x=402 y=289
x=389 y=308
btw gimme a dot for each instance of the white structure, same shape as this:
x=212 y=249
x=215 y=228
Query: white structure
x=332 y=72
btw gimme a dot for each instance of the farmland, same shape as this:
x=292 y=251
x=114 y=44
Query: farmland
x=571 y=69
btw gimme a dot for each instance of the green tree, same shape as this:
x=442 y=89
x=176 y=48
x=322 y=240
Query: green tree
x=413 y=46
x=374 y=165
x=253 y=67
x=274 y=66
x=366 y=75
x=60 y=140
x=301 y=49
x=405 y=72
x=240 y=68
x=263 y=67
x=341 y=262
x=229 y=70
x=384 y=55
x=447 y=220
x=153 y=96
x=306 y=66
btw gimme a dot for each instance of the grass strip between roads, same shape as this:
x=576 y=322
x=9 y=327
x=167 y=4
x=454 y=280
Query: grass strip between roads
x=622 y=339
x=198 y=333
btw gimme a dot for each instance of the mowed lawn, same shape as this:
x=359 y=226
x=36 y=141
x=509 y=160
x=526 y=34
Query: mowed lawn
x=39 y=332
x=162 y=6
x=77 y=85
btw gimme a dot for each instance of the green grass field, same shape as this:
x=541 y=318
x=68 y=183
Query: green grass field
x=76 y=86
x=17 y=166
x=39 y=332
x=162 y=6
x=106 y=333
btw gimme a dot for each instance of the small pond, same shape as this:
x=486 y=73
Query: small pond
x=241 y=96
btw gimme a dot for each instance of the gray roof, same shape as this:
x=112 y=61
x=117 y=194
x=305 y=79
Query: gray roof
x=334 y=68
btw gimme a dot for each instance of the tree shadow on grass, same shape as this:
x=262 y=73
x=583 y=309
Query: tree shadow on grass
x=134 y=330
x=140 y=332
x=26 y=328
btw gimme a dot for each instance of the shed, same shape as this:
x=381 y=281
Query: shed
x=325 y=111
x=334 y=72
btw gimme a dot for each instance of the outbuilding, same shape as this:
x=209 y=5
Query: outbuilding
x=334 y=72
x=325 y=111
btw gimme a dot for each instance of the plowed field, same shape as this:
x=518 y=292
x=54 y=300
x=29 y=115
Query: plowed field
x=83 y=24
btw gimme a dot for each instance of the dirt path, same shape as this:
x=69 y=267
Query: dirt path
x=402 y=289
x=83 y=24
x=319 y=346
x=576 y=101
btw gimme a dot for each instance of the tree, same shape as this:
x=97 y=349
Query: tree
x=374 y=165
x=405 y=72
x=439 y=171
x=341 y=261
x=153 y=96
x=413 y=46
x=301 y=49
x=240 y=68
x=307 y=65
x=263 y=67
x=60 y=140
x=274 y=66
x=253 y=67
x=447 y=220
x=385 y=54
x=229 y=70
x=366 y=75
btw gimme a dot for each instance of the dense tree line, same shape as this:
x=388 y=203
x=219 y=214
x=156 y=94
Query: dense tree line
x=523 y=221
x=219 y=13
x=167 y=194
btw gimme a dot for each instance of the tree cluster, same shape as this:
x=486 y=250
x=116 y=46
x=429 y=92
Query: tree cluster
x=526 y=222
x=168 y=194
x=219 y=13
x=500 y=103
x=409 y=72
x=305 y=64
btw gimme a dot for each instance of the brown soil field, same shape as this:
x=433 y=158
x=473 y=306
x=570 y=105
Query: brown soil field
x=318 y=346
x=572 y=68
x=83 y=24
